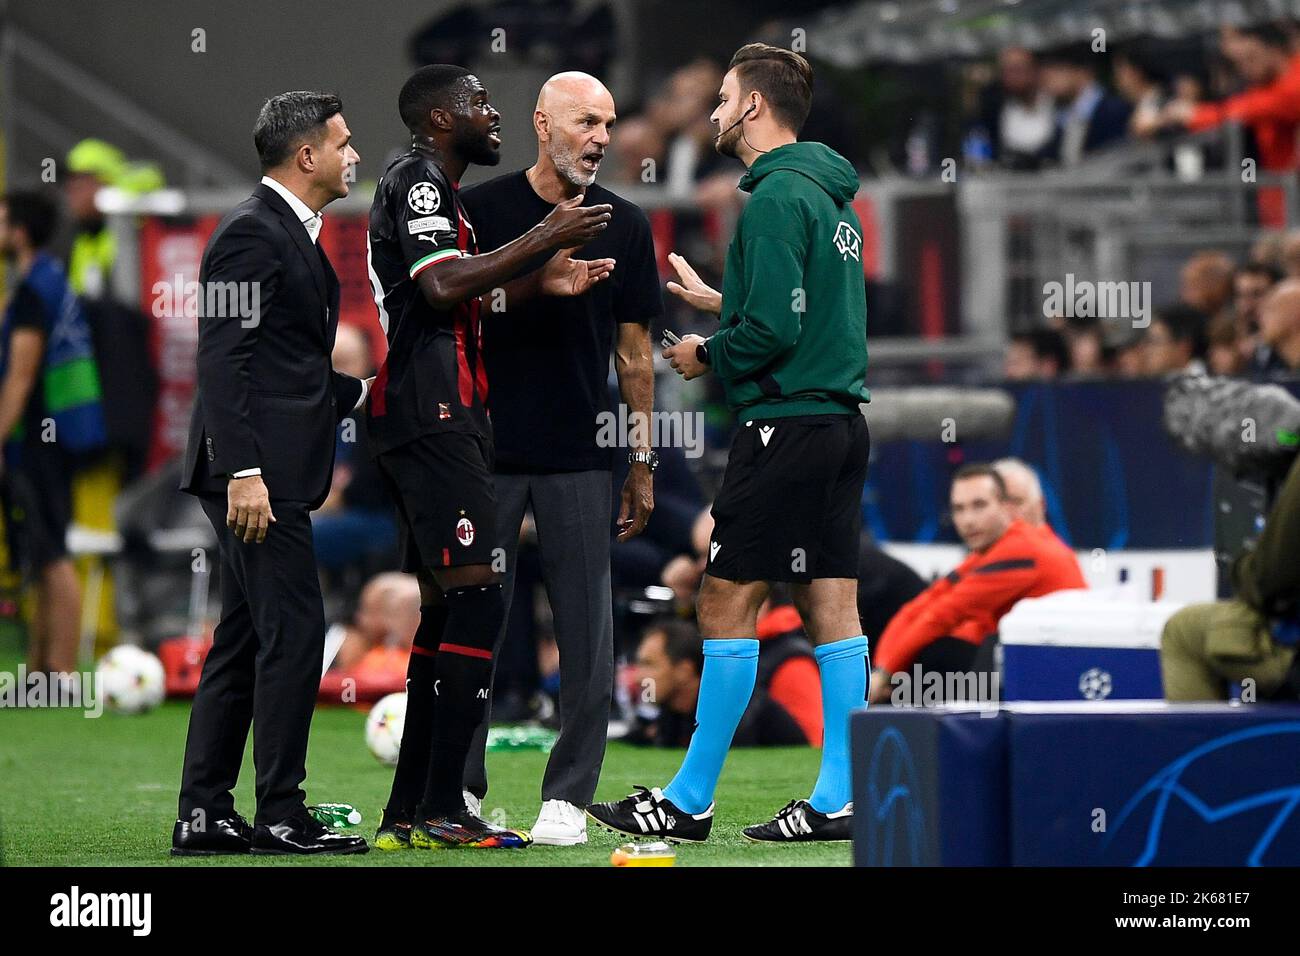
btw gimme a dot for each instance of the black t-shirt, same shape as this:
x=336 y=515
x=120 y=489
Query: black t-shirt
x=548 y=358
x=433 y=378
x=28 y=312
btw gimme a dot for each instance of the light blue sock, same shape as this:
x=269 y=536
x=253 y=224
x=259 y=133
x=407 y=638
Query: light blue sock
x=844 y=689
x=727 y=683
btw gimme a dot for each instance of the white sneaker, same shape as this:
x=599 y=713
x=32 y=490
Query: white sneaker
x=560 y=824
x=473 y=804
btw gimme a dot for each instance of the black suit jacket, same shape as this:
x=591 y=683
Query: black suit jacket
x=268 y=396
x=1108 y=124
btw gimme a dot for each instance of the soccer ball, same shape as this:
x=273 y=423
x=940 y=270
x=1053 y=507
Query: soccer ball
x=131 y=680
x=384 y=728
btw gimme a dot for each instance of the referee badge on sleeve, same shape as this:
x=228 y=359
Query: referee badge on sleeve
x=848 y=242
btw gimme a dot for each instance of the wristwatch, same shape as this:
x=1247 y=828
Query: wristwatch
x=648 y=458
x=702 y=353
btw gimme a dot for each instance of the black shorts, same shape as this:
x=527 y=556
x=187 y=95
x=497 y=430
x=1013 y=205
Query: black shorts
x=446 y=505
x=790 y=505
x=38 y=501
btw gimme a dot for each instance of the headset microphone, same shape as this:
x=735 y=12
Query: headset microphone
x=750 y=109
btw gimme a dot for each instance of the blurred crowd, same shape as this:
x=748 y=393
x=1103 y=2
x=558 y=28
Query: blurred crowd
x=1234 y=318
x=1034 y=110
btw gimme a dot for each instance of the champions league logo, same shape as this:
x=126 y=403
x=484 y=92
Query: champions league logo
x=895 y=831
x=1205 y=792
x=423 y=198
x=1095 y=684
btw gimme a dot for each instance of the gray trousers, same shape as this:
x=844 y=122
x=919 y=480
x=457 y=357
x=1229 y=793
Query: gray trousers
x=572 y=514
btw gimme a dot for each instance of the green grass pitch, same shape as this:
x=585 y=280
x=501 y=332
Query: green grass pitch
x=102 y=792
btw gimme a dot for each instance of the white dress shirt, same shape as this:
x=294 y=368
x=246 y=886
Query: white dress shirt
x=1027 y=128
x=311 y=221
x=1074 y=123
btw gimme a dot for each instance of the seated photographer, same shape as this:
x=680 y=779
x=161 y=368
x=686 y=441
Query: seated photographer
x=1253 y=636
x=784 y=711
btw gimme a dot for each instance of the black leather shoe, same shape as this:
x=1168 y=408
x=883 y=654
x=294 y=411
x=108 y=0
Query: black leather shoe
x=231 y=835
x=302 y=834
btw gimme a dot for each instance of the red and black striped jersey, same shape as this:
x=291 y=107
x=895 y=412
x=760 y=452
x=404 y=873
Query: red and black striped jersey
x=434 y=378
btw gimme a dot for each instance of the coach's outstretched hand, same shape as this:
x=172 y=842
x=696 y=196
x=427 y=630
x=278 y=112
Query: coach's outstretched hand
x=692 y=287
x=248 y=509
x=569 y=224
x=565 y=275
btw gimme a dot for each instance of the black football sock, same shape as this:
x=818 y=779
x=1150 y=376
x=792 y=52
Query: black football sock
x=463 y=670
x=413 y=757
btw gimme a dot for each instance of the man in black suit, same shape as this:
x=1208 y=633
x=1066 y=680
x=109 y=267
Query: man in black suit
x=260 y=455
x=1091 y=116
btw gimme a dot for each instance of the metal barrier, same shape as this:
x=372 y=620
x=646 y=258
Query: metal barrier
x=1016 y=233
x=1098 y=223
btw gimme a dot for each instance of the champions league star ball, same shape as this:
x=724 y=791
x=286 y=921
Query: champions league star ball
x=384 y=728
x=131 y=680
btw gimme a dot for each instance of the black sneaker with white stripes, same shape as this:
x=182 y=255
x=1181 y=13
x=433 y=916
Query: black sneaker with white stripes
x=648 y=813
x=798 y=822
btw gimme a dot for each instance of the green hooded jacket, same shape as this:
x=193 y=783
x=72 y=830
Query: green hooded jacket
x=794 y=314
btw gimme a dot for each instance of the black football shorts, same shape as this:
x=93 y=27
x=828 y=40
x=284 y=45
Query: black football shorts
x=446 y=504
x=790 y=505
x=37 y=496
